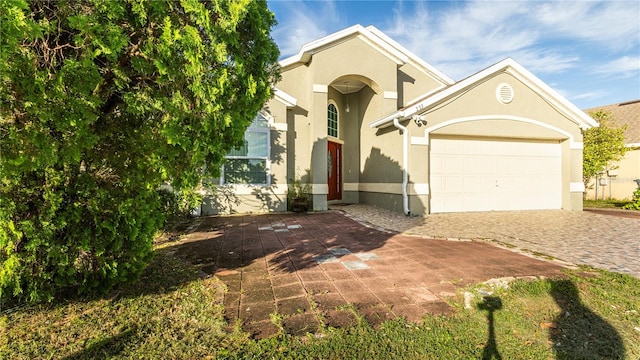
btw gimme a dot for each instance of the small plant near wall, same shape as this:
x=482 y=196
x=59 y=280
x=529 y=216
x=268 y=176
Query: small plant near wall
x=298 y=195
x=635 y=202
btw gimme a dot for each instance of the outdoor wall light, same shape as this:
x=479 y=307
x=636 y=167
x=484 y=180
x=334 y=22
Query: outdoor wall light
x=419 y=119
x=346 y=96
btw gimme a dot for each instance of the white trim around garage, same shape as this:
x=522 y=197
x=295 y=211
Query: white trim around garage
x=574 y=145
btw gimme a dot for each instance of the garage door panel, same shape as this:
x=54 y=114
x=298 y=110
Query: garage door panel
x=451 y=164
x=479 y=175
x=452 y=183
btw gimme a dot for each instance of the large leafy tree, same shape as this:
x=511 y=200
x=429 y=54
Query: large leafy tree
x=102 y=101
x=603 y=146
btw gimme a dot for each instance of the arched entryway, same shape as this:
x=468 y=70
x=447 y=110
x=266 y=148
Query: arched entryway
x=348 y=98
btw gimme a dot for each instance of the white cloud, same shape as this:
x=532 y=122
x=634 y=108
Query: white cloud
x=613 y=24
x=480 y=33
x=544 y=37
x=545 y=61
x=588 y=95
x=300 y=22
x=625 y=66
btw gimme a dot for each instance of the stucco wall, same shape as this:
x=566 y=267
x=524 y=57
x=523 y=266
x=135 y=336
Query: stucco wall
x=244 y=199
x=413 y=84
x=623 y=185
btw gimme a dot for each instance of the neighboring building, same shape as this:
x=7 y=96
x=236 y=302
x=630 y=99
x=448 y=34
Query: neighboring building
x=623 y=184
x=363 y=120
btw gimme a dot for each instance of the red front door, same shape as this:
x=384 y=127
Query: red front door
x=334 y=169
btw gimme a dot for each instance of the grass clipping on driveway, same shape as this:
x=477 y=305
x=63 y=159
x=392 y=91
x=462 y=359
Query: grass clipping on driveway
x=172 y=313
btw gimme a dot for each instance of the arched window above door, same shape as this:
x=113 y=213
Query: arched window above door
x=332 y=120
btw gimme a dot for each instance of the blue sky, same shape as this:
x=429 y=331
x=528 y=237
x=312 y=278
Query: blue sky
x=588 y=51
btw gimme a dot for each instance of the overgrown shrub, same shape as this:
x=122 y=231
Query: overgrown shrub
x=84 y=239
x=179 y=204
x=100 y=103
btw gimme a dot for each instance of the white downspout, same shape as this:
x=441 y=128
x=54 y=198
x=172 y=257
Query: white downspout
x=405 y=163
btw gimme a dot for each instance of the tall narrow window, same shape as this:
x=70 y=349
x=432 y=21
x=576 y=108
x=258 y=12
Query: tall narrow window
x=332 y=121
x=249 y=163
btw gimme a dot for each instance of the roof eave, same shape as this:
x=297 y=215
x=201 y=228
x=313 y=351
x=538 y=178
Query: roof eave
x=561 y=104
x=371 y=35
x=387 y=120
x=307 y=50
x=288 y=100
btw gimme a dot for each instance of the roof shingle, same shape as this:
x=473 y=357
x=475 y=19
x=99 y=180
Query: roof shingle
x=625 y=113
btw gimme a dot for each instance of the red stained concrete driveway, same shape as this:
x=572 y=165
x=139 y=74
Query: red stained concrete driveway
x=318 y=268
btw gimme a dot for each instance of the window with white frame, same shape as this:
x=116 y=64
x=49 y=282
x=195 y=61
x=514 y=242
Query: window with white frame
x=332 y=121
x=249 y=163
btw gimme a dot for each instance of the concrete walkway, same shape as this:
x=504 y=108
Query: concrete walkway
x=303 y=272
x=604 y=239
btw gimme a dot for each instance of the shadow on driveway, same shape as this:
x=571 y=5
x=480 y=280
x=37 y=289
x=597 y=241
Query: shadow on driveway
x=299 y=272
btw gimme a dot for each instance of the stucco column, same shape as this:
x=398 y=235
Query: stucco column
x=418 y=171
x=319 y=188
x=576 y=185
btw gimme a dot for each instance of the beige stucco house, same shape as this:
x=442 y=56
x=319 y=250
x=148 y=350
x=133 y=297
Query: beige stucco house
x=620 y=183
x=363 y=120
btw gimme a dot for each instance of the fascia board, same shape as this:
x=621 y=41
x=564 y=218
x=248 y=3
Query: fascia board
x=396 y=56
x=332 y=37
x=402 y=113
x=285 y=63
x=308 y=49
x=288 y=100
x=424 y=96
x=431 y=100
x=426 y=67
x=381 y=44
x=387 y=120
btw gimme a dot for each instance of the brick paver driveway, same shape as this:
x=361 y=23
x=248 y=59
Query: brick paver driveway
x=315 y=269
x=604 y=241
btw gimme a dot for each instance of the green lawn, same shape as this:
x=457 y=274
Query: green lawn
x=172 y=313
x=605 y=204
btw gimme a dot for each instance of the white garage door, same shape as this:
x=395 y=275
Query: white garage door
x=475 y=175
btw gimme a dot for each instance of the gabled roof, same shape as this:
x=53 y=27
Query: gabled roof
x=625 y=113
x=509 y=66
x=374 y=37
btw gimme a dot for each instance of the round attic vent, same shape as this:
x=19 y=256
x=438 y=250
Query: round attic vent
x=504 y=93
